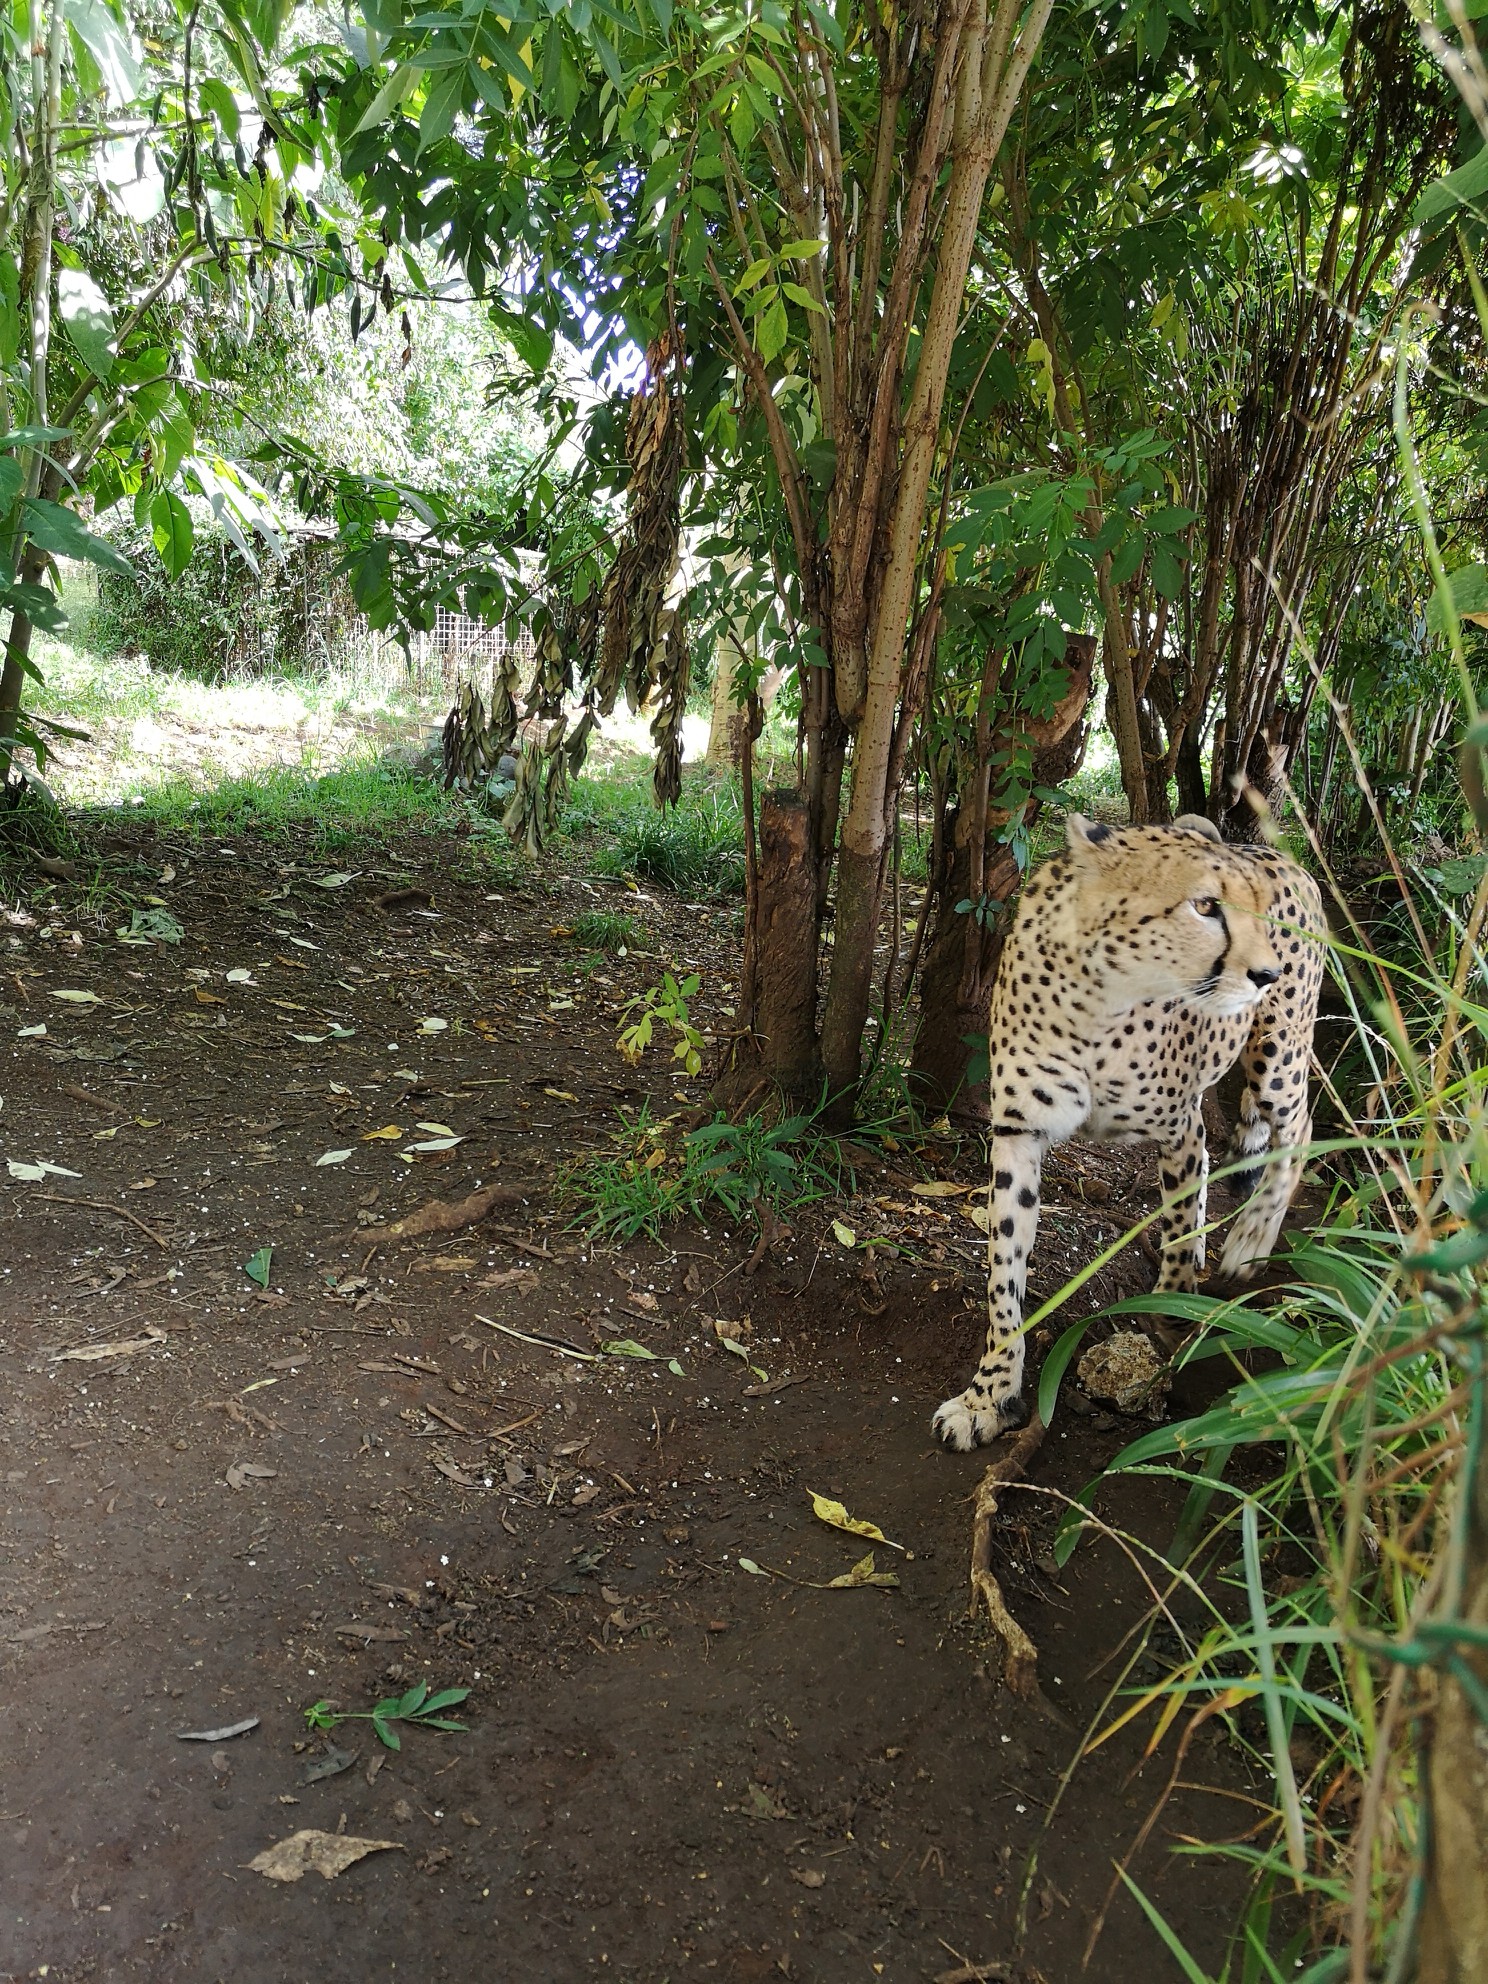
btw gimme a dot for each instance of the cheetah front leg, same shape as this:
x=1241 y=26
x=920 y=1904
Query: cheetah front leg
x=993 y=1401
x=1183 y=1176
x=1252 y=1239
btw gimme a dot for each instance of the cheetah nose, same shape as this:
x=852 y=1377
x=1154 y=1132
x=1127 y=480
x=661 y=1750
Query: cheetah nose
x=1263 y=975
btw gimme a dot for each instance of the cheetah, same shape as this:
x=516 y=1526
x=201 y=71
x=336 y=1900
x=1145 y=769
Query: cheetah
x=1143 y=963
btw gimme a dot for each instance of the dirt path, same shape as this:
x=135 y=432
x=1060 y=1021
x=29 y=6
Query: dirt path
x=672 y=1767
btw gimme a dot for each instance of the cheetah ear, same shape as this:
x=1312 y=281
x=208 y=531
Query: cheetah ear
x=1089 y=840
x=1197 y=824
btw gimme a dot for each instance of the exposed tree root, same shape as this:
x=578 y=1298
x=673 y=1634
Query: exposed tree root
x=1021 y=1669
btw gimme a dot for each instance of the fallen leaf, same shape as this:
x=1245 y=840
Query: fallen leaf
x=257 y=1269
x=332 y=1157
x=980 y=1217
x=310 y=1039
x=589 y=1492
x=626 y=1346
x=360 y=1629
x=452 y=1471
x=336 y=881
x=240 y=975
x=446 y=1264
x=79 y=998
x=809 y=1877
x=433 y=1025
x=388 y=1134
x=845 y=1235
x=943 y=1188
x=331 y=1764
x=449 y=1216
x=436 y=1129
x=243 y=1471
x=324 y=1853
x=40 y=1169
x=837 y=1516
x=437 y=1143
x=522 y=1279
x=94 y=1353
x=748 y=1564
x=204 y=998
x=863 y=1573
x=32 y=1032
x=560 y=1095
x=217 y=1735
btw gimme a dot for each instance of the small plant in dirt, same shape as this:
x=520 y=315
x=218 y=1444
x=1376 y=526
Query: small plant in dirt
x=417 y=1707
x=696 y=848
x=664 y=1005
x=750 y=1168
x=607 y=930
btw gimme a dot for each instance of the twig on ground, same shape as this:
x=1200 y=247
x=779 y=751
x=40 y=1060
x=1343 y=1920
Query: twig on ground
x=1021 y=1671
x=103 y=1205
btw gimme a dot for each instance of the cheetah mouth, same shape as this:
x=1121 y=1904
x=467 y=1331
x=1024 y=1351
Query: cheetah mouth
x=1222 y=1004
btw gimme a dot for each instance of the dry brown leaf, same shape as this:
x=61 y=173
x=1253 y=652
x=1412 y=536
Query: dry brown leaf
x=449 y=1216
x=93 y=1353
x=243 y=1471
x=325 y=1853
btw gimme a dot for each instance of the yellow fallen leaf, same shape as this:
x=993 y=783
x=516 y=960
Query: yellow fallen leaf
x=863 y=1573
x=326 y=1853
x=943 y=1188
x=436 y=1129
x=560 y=1094
x=845 y=1235
x=207 y=998
x=837 y=1516
x=388 y=1134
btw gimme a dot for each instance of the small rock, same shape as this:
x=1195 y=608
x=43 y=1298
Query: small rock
x=1125 y=1371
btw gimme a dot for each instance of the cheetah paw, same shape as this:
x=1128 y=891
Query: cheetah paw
x=970 y=1420
x=1248 y=1247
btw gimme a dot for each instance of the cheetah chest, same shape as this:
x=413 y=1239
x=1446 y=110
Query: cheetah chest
x=1149 y=1069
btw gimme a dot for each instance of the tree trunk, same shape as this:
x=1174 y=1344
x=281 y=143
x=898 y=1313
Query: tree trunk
x=993 y=71
x=961 y=964
x=956 y=982
x=1453 y=1937
x=777 y=1040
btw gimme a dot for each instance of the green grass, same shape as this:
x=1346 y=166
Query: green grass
x=341 y=806
x=652 y=1177
x=695 y=847
x=609 y=930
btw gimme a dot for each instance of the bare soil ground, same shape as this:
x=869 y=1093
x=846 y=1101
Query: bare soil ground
x=351 y=1479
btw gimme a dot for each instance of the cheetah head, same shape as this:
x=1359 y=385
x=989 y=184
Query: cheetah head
x=1169 y=912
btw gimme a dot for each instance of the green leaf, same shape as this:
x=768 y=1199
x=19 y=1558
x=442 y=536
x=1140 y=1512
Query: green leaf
x=63 y=533
x=12 y=480
x=111 y=47
x=170 y=531
x=1465 y=186
x=447 y=1699
x=1055 y=1365
x=84 y=309
x=441 y=107
x=387 y=1735
x=387 y=99
x=257 y=1269
x=219 y=99
x=626 y=1346
x=773 y=327
x=1468 y=586
x=532 y=344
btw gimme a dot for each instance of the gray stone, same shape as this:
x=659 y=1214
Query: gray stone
x=1126 y=1372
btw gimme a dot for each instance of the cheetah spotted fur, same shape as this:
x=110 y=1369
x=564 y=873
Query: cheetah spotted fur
x=1143 y=963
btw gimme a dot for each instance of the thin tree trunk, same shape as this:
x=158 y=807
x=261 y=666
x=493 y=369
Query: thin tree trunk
x=993 y=71
x=36 y=288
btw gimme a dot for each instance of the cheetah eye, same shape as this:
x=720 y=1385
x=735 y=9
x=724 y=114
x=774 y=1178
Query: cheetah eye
x=1206 y=905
